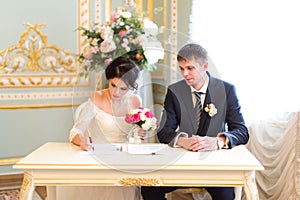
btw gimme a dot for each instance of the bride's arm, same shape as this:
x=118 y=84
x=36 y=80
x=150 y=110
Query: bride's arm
x=83 y=116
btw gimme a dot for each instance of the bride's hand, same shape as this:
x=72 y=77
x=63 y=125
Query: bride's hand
x=80 y=141
x=83 y=143
x=141 y=133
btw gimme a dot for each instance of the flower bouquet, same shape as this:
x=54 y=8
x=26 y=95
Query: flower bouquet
x=143 y=118
x=127 y=34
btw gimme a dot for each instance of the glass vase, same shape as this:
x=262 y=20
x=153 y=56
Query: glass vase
x=133 y=136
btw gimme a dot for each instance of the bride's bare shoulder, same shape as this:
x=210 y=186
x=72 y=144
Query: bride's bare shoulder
x=135 y=101
x=98 y=96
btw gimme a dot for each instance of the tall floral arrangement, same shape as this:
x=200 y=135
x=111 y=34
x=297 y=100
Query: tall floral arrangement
x=127 y=34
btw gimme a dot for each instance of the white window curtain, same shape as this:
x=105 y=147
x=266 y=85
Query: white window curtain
x=255 y=45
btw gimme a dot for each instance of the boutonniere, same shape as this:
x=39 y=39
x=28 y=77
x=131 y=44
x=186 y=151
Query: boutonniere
x=211 y=109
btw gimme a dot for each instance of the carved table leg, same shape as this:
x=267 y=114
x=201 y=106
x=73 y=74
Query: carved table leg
x=250 y=187
x=27 y=188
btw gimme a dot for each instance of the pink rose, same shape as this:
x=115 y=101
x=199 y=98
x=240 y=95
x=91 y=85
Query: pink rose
x=136 y=117
x=116 y=15
x=107 y=61
x=122 y=33
x=128 y=119
x=107 y=46
x=94 y=49
x=88 y=53
x=149 y=114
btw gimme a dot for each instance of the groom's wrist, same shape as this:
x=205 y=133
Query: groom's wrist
x=224 y=139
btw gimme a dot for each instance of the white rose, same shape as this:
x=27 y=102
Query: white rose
x=150 y=27
x=126 y=14
x=153 y=51
x=147 y=125
x=143 y=117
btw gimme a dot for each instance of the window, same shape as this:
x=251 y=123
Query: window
x=254 y=45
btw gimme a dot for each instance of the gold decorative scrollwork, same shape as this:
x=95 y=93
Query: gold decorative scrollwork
x=27 y=187
x=139 y=182
x=34 y=54
x=37 y=80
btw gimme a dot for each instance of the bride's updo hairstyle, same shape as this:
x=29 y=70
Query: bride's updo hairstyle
x=125 y=69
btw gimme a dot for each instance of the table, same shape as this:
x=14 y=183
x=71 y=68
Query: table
x=55 y=164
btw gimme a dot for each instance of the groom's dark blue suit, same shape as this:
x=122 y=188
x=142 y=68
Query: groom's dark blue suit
x=179 y=116
x=178 y=112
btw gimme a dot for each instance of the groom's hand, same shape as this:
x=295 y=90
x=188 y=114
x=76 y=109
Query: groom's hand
x=184 y=142
x=205 y=143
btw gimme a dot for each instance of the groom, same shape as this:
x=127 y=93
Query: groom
x=199 y=95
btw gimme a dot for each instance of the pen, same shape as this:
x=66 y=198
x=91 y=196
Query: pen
x=91 y=141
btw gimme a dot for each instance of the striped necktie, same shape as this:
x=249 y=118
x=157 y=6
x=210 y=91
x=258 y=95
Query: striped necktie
x=198 y=106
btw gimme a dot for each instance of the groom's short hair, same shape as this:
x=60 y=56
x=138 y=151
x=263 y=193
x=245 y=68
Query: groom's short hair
x=192 y=52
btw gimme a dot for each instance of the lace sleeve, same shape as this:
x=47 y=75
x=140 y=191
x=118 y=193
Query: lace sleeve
x=83 y=116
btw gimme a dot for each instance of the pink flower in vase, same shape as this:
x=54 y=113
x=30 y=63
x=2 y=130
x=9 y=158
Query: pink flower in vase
x=107 y=46
x=107 y=61
x=122 y=33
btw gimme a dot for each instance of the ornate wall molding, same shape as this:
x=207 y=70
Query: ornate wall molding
x=34 y=73
x=40 y=81
x=83 y=20
x=173 y=72
x=33 y=53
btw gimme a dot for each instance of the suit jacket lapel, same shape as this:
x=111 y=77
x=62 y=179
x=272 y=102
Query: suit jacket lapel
x=189 y=106
x=215 y=94
x=184 y=97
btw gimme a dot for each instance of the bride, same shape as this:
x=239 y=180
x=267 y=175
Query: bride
x=102 y=116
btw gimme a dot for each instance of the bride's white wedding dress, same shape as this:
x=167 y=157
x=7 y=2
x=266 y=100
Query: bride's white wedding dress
x=103 y=128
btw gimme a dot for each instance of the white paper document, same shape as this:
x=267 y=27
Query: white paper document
x=145 y=148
